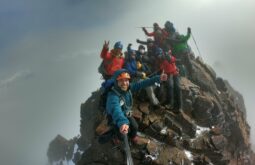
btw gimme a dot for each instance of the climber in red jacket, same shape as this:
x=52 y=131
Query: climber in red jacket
x=159 y=35
x=167 y=66
x=112 y=60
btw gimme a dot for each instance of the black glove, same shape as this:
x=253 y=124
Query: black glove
x=189 y=30
x=144 y=29
x=129 y=47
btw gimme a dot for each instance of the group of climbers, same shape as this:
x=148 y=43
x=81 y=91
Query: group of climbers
x=133 y=70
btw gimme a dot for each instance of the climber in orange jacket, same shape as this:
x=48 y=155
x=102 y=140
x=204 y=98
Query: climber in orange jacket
x=112 y=60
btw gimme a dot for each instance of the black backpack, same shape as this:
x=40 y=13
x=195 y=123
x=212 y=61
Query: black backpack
x=101 y=69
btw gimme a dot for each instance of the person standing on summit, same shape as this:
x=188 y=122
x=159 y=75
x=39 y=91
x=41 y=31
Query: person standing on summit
x=180 y=48
x=112 y=60
x=174 y=95
x=159 y=35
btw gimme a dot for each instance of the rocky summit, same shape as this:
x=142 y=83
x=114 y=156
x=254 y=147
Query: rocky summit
x=211 y=128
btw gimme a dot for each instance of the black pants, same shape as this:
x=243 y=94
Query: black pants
x=173 y=96
x=185 y=59
x=177 y=92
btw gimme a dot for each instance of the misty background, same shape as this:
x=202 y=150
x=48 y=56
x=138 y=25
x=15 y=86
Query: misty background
x=49 y=54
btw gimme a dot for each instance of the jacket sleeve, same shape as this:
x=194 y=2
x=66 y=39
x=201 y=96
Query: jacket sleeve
x=113 y=108
x=105 y=54
x=145 y=83
x=142 y=42
x=147 y=33
x=150 y=34
x=185 y=38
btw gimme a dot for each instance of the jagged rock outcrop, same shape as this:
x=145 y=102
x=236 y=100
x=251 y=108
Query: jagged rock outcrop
x=211 y=129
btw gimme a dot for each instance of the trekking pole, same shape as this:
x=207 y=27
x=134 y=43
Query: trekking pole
x=196 y=45
x=127 y=150
x=144 y=27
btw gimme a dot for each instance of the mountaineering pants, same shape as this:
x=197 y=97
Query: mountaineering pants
x=177 y=92
x=152 y=97
x=174 y=96
x=185 y=59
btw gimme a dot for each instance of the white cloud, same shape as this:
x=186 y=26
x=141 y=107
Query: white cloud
x=23 y=74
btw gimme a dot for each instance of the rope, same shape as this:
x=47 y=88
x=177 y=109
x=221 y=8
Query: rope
x=196 y=45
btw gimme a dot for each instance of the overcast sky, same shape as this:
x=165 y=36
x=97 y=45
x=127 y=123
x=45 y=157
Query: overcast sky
x=49 y=54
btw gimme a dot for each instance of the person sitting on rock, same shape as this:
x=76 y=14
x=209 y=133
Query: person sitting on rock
x=151 y=46
x=172 y=84
x=138 y=71
x=143 y=60
x=119 y=102
x=112 y=60
x=141 y=54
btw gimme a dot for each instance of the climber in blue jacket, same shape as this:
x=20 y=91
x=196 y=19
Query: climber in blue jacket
x=138 y=71
x=119 y=102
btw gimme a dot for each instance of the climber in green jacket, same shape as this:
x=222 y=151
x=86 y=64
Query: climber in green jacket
x=179 y=43
x=181 y=50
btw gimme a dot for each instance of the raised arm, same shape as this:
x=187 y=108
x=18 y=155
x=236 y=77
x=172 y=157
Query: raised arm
x=105 y=54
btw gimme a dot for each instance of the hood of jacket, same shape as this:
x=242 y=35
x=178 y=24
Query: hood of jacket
x=115 y=75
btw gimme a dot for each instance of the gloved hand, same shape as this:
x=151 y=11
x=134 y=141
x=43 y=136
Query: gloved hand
x=129 y=47
x=137 y=40
x=144 y=29
x=106 y=44
x=189 y=30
